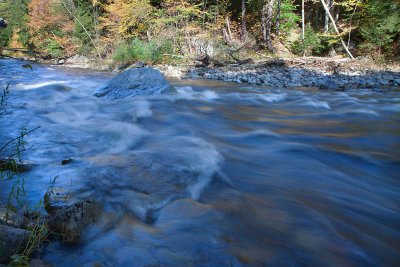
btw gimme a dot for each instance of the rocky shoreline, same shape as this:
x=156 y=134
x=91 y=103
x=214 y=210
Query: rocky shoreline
x=320 y=73
x=323 y=73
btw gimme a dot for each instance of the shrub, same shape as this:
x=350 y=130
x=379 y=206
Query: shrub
x=53 y=48
x=310 y=45
x=137 y=50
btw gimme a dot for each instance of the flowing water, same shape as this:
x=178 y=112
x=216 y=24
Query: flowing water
x=217 y=174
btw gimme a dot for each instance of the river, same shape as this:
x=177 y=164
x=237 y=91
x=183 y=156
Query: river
x=216 y=174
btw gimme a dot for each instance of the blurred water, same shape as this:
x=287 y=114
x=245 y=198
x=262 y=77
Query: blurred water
x=217 y=174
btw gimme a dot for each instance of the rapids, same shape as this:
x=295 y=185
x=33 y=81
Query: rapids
x=217 y=174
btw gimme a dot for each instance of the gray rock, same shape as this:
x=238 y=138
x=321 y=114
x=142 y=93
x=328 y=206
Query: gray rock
x=70 y=222
x=12 y=218
x=39 y=263
x=135 y=82
x=56 y=199
x=12 y=241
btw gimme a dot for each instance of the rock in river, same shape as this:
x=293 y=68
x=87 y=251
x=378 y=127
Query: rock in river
x=56 y=199
x=69 y=222
x=12 y=240
x=135 y=82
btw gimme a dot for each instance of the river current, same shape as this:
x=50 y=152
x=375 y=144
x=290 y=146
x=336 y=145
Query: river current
x=216 y=174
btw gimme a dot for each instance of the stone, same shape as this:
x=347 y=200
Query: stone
x=135 y=82
x=66 y=161
x=70 y=222
x=39 y=263
x=56 y=199
x=12 y=241
x=13 y=219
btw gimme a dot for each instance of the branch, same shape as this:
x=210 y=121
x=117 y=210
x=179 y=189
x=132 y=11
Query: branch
x=19 y=137
x=336 y=29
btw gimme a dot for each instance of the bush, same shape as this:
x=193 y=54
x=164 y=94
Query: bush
x=310 y=45
x=137 y=50
x=53 y=48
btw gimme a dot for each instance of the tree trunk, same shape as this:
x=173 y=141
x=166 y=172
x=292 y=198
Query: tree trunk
x=302 y=20
x=266 y=23
x=278 y=17
x=228 y=27
x=336 y=29
x=244 y=27
x=326 y=21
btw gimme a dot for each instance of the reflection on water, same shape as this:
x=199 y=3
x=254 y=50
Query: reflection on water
x=216 y=174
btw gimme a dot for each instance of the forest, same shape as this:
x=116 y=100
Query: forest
x=160 y=31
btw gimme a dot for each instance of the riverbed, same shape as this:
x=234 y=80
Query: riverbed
x=216 y=174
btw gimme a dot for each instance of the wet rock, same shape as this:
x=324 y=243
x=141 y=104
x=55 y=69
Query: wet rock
x=56 y=199
x=13 y=219
x=135 y=82
x=39 y=263
x=69 y=222
x=66 y=161
x=15 y=166
x=12 y=241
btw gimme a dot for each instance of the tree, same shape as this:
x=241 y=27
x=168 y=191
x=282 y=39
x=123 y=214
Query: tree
x=266 y=23
x=244 y=28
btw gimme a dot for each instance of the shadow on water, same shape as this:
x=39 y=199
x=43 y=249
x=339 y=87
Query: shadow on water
x=217 y=174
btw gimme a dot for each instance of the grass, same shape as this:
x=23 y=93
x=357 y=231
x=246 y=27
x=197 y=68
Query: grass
x=10 y=170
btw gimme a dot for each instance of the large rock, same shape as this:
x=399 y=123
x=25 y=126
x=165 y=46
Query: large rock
x=12 y=241
x=69 y=222
x=11 y=218
x=56 y=199
x=135 y=82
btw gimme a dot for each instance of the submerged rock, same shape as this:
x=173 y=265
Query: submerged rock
x=135 y=82
x=12 y=240
x=69 y=222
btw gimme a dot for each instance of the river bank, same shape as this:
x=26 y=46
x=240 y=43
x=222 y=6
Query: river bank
x=324 y=73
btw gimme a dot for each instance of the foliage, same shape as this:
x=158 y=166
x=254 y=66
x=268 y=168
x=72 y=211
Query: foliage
x=10 y=162
x=15 y=12
x=381 y=26
x=310 y=45
x=62 y=28
x=137 y=50
x=288 y=18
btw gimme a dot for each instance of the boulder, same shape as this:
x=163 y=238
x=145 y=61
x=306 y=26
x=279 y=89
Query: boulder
x=12 y=241
x=70 y=222
x=56 y=199
x=39 y=263
x=135 y=82
x=14 y=219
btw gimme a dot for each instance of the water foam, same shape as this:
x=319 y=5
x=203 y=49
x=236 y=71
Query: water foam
x=271 y=98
